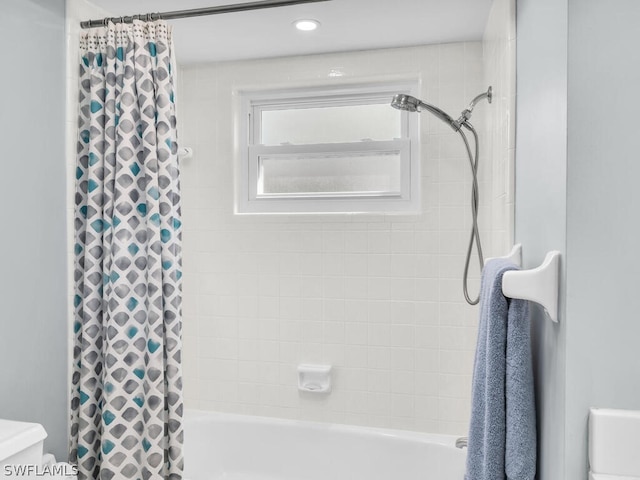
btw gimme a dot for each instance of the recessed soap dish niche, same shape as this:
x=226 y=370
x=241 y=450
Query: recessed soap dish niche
x=314 y=378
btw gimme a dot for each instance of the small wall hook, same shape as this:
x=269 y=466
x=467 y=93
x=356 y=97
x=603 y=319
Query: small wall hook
x=185 y=153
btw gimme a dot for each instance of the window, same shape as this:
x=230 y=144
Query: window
x=328 y=150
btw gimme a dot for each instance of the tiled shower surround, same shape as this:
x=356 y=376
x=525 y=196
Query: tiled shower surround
x=377 y=296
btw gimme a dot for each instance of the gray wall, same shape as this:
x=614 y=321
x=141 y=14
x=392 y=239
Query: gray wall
x=541 y=183
x=577 y=191
x=603 y=220
x=33 y=336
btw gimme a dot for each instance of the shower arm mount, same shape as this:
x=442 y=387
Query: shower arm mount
x=466 y=113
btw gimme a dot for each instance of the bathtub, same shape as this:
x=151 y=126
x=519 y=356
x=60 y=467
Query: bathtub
x=236 y=447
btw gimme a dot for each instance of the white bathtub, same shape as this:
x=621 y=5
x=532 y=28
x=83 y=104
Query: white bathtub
x=236 y=447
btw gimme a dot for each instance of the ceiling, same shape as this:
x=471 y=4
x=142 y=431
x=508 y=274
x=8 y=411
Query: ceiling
x=345 y=25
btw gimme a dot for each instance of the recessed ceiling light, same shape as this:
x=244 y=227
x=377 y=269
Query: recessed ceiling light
x=306 y=25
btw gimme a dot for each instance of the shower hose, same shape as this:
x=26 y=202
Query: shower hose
x=475 y=234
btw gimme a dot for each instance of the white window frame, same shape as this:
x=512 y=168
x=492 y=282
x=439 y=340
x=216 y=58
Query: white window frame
x=249 y=153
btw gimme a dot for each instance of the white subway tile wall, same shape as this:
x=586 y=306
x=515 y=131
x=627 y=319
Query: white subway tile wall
x=378 y=297
x=499 y=48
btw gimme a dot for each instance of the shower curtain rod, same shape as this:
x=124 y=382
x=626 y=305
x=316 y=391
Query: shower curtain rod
x=197 y=12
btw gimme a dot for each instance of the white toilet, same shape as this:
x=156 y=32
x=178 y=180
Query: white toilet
x=614 y=444
x=21 y=453
x=20 y=443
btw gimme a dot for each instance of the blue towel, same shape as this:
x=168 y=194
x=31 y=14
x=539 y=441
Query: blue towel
x=502 y=433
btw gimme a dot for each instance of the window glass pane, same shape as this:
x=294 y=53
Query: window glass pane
x=341 y=124
x=330 y=174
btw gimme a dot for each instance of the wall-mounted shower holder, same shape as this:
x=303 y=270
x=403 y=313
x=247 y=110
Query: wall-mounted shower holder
x=314 y=378
x=540 y=285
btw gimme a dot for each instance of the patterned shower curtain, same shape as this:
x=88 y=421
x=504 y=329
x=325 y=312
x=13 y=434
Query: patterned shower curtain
x=126 y=411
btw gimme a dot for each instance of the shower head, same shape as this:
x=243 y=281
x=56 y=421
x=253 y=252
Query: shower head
x=405 y=102
x=412 y=104
x=408 y=103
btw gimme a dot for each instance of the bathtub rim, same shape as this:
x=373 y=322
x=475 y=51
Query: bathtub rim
x=441 y=439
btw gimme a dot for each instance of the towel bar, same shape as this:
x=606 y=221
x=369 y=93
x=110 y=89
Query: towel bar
x=539 y=284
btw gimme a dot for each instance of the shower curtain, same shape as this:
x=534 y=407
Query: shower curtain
x=127 y=404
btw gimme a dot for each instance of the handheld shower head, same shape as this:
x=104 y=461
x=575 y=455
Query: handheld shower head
x=408 y=103
x=412 y=104
x=405 y=102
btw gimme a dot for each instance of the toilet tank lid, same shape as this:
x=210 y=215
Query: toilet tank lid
x=17 y=436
